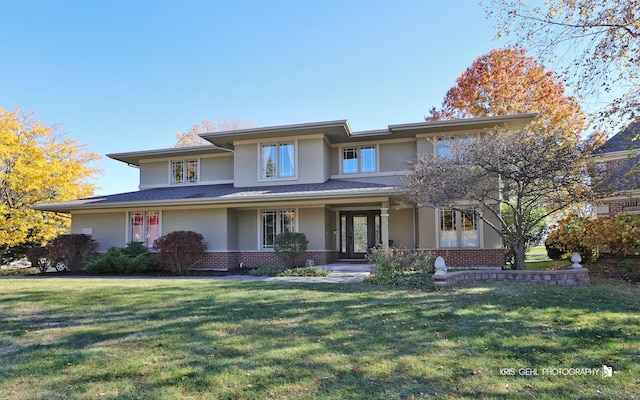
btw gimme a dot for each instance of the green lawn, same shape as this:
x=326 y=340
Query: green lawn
x=537 y=259
x=63 y=338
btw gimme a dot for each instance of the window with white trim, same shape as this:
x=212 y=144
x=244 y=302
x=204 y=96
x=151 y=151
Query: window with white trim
x=277 y=160
x=459 y=228
x=275 y=222
x=359 y=159
x=144 y=227
x=184 y=171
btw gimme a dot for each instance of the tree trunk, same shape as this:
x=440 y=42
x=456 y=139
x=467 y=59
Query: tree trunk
x=519 y=249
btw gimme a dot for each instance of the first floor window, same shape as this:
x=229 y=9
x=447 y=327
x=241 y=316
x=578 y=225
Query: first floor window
x=184 y=172
x=459 y=228
x=145 y=227
x=275 y=222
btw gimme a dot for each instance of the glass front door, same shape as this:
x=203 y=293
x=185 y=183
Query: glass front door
x=359 y=231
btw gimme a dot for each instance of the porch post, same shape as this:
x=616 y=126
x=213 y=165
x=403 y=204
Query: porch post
x=384 y=226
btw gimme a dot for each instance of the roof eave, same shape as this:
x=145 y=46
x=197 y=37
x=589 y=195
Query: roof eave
x=68 y=207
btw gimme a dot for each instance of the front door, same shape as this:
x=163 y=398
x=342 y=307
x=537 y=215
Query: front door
x=359 y=231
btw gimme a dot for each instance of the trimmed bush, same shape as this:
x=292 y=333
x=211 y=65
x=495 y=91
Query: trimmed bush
x=289 y=246
x=37 y=256
x=133 y=259
x=71 y=249
x=179 y=251
x=278 y=270
x=270 y=270
x=400 y=266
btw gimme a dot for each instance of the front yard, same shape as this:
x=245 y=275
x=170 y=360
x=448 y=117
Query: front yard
x=192 y=339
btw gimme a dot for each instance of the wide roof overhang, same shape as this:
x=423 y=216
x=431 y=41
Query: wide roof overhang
x=339 y=131
x=225 y=195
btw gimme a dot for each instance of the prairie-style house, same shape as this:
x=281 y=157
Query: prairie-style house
x=617 y=172
x=338 y=187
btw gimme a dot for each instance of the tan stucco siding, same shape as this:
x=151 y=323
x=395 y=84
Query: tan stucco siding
x=154 y=173
x=426 y=227
x=109 y=229
x=213 y=169
x=312 y=224
x=232 y=229
x=401 y=227
x=394 y=156
x=334 y=161
x=247 y=229
x=331 y=231
x=211 y=223
x=492 y=239
x=424 y=146
x=310 y=155
x=245 y=165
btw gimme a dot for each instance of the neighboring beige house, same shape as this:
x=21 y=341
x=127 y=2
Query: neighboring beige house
x=337 y=186
x=617 y=172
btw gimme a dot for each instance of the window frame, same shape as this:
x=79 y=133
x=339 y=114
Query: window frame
x=360 y=159
x=278 y=145
x=146 y=214
x=458 y=221
x=279 y=225
x=185 y=171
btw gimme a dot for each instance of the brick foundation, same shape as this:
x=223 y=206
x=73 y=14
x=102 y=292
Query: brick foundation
x=472 y=257
x=567 y=277
x=254 y=259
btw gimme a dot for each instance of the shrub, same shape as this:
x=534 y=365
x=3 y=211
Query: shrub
x=71 y=249
x=37 y=256
x=619 y=236
x=179 y=251
x=278 y=270
x=271 y=270
x=553 y=252
x=133 y=259
x=304 y=271
x=289 y=246
x=392 y=266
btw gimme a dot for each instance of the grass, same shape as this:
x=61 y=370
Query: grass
x=63 y=338
x=536 y=259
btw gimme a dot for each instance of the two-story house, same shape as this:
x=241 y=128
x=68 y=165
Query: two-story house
x=337 y=186
x=617 y=172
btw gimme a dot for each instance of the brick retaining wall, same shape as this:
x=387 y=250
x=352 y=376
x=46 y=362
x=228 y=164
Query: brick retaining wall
x=253 y=259
x=566 y=277
x=472 y=257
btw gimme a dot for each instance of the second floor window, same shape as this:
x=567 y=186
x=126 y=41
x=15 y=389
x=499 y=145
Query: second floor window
x=184 y=172
x=277 y=160
x=360 y=159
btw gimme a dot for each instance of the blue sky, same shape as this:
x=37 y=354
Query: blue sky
x=127 y=75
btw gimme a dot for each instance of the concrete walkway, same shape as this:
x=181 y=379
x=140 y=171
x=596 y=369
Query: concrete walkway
x=339 y=273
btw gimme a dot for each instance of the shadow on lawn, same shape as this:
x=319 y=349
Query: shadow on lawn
x=248 y=339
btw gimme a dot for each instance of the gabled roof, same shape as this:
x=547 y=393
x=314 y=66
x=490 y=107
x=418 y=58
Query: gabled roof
x=223 y=194
x=627 y=139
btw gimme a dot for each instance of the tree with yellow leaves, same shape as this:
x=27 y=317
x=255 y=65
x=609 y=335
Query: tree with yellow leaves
x=37 y=165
